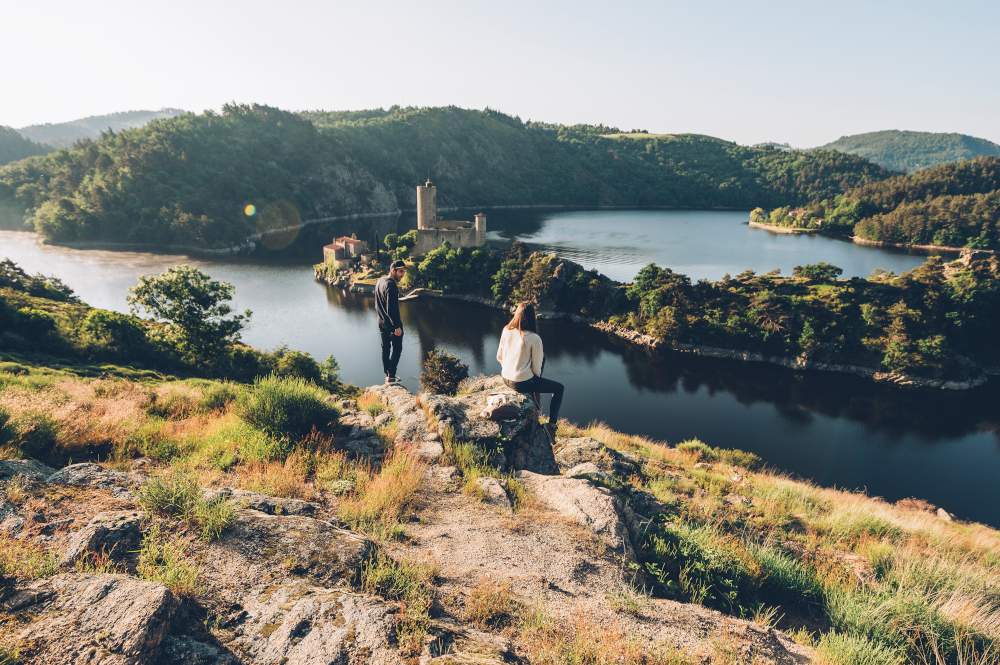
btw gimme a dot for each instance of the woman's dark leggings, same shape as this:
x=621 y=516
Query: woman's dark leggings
x=537 y=384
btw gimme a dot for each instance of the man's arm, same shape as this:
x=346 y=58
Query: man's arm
x=397 y=321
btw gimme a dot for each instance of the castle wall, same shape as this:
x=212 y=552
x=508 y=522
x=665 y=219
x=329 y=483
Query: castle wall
x=430 y=239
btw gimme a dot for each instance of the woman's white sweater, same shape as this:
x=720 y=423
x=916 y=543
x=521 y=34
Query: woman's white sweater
x=520 y=355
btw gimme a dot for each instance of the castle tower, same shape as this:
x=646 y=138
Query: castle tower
x=480 y=230
x=426 y=205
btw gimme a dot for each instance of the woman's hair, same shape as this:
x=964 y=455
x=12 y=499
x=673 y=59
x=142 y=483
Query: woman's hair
x=524 y=318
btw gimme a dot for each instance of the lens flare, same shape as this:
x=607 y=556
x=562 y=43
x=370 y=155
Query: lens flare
x=278 y=224
x=250 y=210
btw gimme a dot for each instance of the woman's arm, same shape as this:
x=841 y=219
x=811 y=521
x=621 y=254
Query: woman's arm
x=537 y=355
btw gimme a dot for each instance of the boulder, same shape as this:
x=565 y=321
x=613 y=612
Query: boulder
x=302 y=624
x=262 y=548
x=29 y=468
x=182 y=650
x=588 y=470
x=945 y=515
x=272 y=505
x=493 y=494
x=114 y=532
x=95 y=618
x=573 y=452
x=596 y=508
x=524 y=443
x=430 y=451
x=88 y=474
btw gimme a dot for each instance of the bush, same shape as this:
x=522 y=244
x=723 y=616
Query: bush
x=178 y=495
x=36 y=435
x=286 y=407
x=442 y=372
x=819 y=271
x=218 y=396
x=8 y=433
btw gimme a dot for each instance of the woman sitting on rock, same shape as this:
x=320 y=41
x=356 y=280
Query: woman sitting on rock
x=520 y=355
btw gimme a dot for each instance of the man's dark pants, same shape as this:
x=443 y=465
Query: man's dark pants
x=393 y=343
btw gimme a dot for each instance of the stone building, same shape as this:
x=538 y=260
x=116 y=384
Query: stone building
x=432 y=230
x=340 y=251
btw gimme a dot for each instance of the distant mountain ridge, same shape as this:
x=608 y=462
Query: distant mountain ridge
x=907 y=151
x=65 y=134
x=13 y=146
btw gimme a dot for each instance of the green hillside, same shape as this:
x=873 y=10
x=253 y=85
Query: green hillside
x=950 y=205
x=188 y=179
x=911 y=151
x=13 y=146
x=65 y=134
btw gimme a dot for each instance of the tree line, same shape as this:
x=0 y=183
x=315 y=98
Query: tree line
x=951 y=205
x=935 y=321
x=190 y=179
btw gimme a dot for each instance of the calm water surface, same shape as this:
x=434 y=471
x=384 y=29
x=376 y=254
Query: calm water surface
x=837 y=430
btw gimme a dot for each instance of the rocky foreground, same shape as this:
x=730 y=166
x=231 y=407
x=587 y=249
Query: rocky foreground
x=280 y=585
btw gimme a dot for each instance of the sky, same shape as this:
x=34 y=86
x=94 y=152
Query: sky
x=801 y=72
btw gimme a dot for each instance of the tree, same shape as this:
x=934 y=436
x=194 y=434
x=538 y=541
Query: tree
x=442 y=373
x=194 y=306
x=819 y=271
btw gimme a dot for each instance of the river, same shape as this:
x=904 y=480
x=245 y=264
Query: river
x=834 y=429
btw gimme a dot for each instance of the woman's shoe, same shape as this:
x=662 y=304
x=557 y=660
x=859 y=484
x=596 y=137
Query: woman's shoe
x=550 y=430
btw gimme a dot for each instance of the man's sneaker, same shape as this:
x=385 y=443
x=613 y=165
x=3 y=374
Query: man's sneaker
x=393 y=379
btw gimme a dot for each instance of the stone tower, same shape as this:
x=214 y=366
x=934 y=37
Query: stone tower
x=480 y=230
x=426 y=205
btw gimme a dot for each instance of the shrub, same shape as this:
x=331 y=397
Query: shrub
x=442 y=372
x=218 y=396
x=286 y=406
x=8 y=432
x=36 y=434
x=382 y=502
x=177 y=494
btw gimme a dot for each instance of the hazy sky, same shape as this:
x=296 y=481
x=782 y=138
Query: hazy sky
x=800 y=72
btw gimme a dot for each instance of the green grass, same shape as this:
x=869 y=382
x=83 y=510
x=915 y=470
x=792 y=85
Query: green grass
x=286 y=407
x=407 y=581
x=167 y=562
x=177 y=494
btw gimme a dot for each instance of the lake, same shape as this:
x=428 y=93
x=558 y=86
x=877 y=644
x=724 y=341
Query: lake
x=835 y=429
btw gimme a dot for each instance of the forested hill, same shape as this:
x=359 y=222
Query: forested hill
x=13 y=146
x=187 y=179
x=65 y=134
x=911 y=151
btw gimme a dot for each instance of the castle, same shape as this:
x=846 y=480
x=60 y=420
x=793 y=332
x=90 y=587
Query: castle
x=433 y=230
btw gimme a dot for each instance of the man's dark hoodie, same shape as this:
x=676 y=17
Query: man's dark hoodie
x=387 y=304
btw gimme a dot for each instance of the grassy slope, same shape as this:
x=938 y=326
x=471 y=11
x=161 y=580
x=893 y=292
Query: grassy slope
x=855 y=576
x=908 y=151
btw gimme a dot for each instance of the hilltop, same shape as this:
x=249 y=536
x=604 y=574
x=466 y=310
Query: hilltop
x=910 y=151
x=13 y=146
x=187 y=180
x=65 y=134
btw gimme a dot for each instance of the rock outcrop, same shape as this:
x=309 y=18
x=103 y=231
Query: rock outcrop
x=95 y=618
x=262 y=548
x=111 y=533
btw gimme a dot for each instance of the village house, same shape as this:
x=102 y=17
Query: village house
x=341 y=251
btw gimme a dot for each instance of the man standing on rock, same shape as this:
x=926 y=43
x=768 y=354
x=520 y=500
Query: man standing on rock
x=390 y=325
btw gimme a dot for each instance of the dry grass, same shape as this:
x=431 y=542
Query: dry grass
x=587 y=638
x=26 y=559
x=659 y=451
x=289 y=478
x=383 y=500
x=490 y=604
